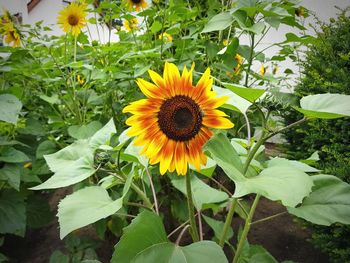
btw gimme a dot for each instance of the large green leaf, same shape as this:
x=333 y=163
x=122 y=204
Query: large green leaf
x=256 y=253
x=249 y=94
x=70 y=165
x=204 y=252
x=84 y=131
x=11 y=155
x=328 y=203
x=11 y=174
x=223 y=153
x=325 y=106
x=10 y=107
x=234 y=102
x=284 y=183
x=218 y=227
x=44 y=148
x=12 y=213
x=202 y=193
x=75 y=163
x=145 y=230
x=296 y=164
x=85 y=207
x=102 y=136
x=218 y=22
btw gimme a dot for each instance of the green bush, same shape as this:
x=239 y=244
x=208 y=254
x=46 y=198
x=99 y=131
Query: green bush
x=327 y=69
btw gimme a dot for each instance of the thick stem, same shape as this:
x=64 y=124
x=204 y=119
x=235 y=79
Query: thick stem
x=246 y=229
x=228 y=222
x=142 y=195
x=193 y=229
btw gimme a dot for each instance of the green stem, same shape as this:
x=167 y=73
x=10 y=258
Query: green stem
x=246 y=229
x=250 y=60
x=268 y=218
x=228 y=222
x=193 y=229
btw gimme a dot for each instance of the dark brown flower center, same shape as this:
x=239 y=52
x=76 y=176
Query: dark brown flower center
x=73 y=20
x=180 y=118
x=136 y=1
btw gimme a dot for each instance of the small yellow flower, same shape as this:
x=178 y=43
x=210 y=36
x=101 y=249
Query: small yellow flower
x=27 y=165
x=225 y=42
x=131 y=24
x=11 y=35
x=80 y=79
x=262 y=70
x=239 y=60
x=167 y=37
x=137 y=4
x=73 y=18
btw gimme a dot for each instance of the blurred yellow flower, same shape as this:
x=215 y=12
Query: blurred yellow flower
x=80 y=79
x=225 y=42
x=11 y=35
x=137 y=4
x=73 y=18
x=27 y=165
x=167 y=37
x=131 y=24
x=239 y=60
x=262 y=70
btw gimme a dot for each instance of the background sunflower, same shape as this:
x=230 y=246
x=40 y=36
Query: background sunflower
x=137 y=4
x=73 y=18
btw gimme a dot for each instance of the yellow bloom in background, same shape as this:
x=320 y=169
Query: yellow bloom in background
x=137 y=4
x=80 y=79
x=173 y=123
x=11 y=35
x=131 y=24
x=167 y=37
x=262 y=70
x=225 y=42
x=73 y=18
x=239 y=60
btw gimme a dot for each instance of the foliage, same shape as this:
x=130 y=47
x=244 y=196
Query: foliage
x=327 y=69
x=63 y=126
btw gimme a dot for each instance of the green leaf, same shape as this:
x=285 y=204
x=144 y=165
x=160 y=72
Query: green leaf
x=156 y=26
x=259 y=254
x=222 y=152
x=299 y=165
x=46 y=147
x=218 y=227
x=203 y=251
x=70 y=165
x=11 y=155
x=145 y=230
x=249 y=94
x=54 y=99
x=84 y=131
x=290 y=37
x=12 y=213
x=11 y=174
x=202 y=193
x=58 y=257
x=283 y=182
x=10 y=108
x=325 y=106
x=234 y=102
x=218 y=22
x=38 y=212
x=328 y=203
x=102 y=136
x=85 y=207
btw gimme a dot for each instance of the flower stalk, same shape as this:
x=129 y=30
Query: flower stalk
x=190 y=205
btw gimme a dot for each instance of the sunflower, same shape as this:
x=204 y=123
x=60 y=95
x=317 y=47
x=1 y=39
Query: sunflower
x=11 y=35
x=131 y=24
x=167 y=37
x=173 y=123
x=138 y=4
x=73 y=18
